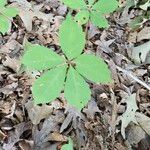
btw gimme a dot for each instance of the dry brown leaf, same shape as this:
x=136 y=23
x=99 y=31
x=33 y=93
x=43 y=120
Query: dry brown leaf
x=57 y=137
x=134 y=134
x=144 y=122
x=14 y=136
x=139 y=53
x=12 y=63
x=28 y=15
x=37 y=113
x=144 y=34
x=26 y=145
x=91 y=109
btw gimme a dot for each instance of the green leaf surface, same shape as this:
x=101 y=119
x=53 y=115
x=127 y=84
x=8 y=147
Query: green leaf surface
x=93 y=68
x=98 y=19
x=10 y=11
x=40 y=58
x=72 y=38
x=75 y=4
x=82 y=17
x=91 y=2
x=4 y=24
x=68 y=146
x=5 y=17
x=49 y=85
x=105 y=6
x=3 y=3
x=77 y=91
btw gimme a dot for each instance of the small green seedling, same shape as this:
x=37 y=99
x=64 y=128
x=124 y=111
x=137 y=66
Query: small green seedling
x=6 y=13
x=93 y=11
x=68 y=146
x=67 y=72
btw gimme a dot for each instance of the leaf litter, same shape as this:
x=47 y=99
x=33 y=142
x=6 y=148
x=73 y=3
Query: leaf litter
x=25 y=126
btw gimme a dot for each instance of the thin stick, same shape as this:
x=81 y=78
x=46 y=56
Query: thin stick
x=130 y=74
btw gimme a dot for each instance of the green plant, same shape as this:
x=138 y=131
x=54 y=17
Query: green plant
x=6 y=13
x=94 y=11
x=68 y=146
x=67 y=72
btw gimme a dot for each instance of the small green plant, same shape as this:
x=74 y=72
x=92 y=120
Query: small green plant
x=68 y=146
x=93 y=11
x=6 y=13
x=67 y=72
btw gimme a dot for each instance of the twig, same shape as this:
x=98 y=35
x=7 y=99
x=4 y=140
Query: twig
x=130 y=74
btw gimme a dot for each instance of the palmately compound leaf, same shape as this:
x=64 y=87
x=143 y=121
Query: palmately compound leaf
x=68 y=146
x=82 y=17
x=75 y=4
x=49 y=85
x=105 y=6
x=71 y=37
x=40 y=58
x=98 y=19
x=77 y=91
x=93 y=68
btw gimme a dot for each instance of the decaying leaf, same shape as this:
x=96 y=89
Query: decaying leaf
x=135 y=134
x=144 y=34
x=27 y=16
x=91 y=109
x=14 y=136
x=143 y=121
x=12 y=63
x=26 y=145
x=139 y=53
x=49 y=127
x=129 y=115
x=37 y=113
x=72 y=115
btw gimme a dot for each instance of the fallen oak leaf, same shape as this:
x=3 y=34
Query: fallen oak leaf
x=139 y=53
x=129 y=115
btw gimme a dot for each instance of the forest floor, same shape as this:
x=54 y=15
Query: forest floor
x=118 y=114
